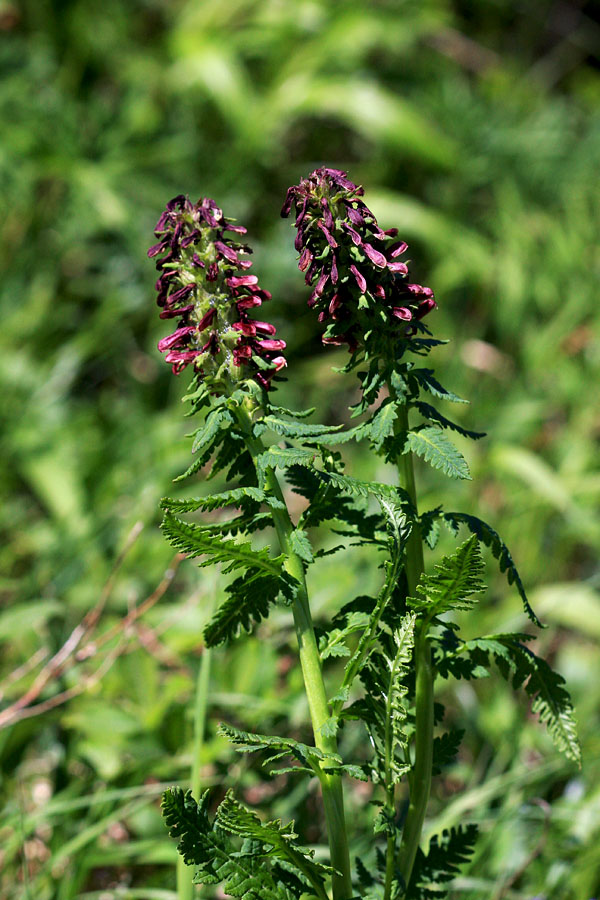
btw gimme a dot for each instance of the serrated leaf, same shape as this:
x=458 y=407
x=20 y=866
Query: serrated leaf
x=453 y=582
x=235 y=497
x=195 y=541
x=445 y=749
x=333 y=642
x=550 y=699
x=293 y=413
x=214 y=422
x=488 y=536
x=431 y=413
x=300 y=430
x=301 y=545
x=248 y=603
x=436 y=449
x=236 y=819
x=447 y=852
x=427 y=380
x=382 y=423
x=276 y=748
x=248 y=875
x=282 y=457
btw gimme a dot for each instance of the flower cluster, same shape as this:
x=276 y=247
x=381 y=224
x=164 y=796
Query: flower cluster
x=360 y=284
x=204 y=283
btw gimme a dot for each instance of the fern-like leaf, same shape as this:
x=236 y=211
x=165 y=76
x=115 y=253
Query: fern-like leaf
x=248 y=875
x=194 y=540
x=488 y=536
x=245 y=496
x=431 y=414
x=425 y=379
x=452 y=583
x=436 y=449
x=447 y=853
x=545 y=687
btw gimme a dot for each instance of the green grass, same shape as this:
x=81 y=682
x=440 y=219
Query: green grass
x=475 y=129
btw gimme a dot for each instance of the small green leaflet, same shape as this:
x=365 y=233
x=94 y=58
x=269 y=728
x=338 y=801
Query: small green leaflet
x=432 y=444
x=215 y=420
x=234 y=497
x=430 y=412
x=300 y=430
x=311 y=759
x=382 y=423
x=427 y=380
x=282 y=457
x=452 y=583
x=301 y=545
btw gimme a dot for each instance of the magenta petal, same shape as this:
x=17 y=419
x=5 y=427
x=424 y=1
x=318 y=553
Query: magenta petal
x=279 y=362
x=360 y=279
x=247 y=328
x=207 y=319
x=240 y=280
x=327 y=217
x=356 y=238
x=397 y=249
x=305 y=260
x=227 y=252
x=248 y=303
x=375 y=256
x=355 y=217
x=334 y=270
x=289 y=199
x=176 y=339
x=329 y=237
x=400 y=267
x=419 y=289
x=265 y=327
x=173 y=313
x=271 y=345
x=401 y=312
x=425 y=306
x=157 y=248
x=323 y=279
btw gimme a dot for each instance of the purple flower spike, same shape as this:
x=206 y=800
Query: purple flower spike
x=201 y=270
x=335 y=235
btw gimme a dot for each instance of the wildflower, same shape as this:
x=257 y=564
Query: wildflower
x=201 y=285
x=360 y=285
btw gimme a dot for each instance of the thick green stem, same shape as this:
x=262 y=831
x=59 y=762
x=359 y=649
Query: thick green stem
x=420 y=784
x=310 y=661
x=185 y=887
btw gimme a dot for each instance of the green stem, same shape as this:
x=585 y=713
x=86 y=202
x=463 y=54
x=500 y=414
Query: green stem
x=185 y=887
x=310 y=661
x=420 y=784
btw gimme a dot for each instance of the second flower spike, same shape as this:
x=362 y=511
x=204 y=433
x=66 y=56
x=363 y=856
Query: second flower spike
x=360 y=284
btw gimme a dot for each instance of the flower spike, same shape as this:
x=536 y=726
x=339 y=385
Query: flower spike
x=360 y=285
x=201 y=285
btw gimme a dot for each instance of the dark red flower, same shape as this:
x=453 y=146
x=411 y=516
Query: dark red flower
x=199 y=284
x=359 y=288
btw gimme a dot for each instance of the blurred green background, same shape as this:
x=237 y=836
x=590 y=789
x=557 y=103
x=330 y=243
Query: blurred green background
x=475 y=128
